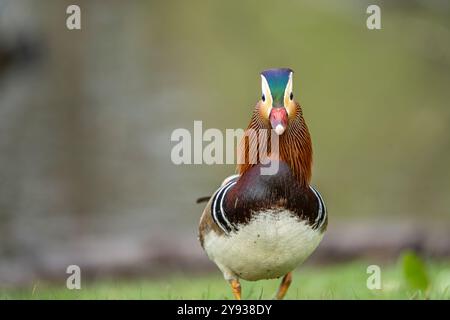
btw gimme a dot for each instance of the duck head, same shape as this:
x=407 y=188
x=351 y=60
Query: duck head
x=277 y=103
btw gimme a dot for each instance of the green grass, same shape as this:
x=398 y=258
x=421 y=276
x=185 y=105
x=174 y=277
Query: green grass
x=341 y=281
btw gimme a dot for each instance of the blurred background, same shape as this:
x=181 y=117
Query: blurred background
x=86 y=118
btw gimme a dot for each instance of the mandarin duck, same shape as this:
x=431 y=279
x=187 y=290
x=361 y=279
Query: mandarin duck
x=262 y=226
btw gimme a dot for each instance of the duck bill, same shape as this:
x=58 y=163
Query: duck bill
x=278 y=120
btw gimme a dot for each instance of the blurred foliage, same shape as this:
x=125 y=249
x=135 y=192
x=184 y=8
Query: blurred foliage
x=414 y=272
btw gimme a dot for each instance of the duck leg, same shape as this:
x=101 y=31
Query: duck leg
x=284 y=286
x=236 y=288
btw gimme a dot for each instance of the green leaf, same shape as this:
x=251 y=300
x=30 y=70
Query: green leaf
x=414 y=271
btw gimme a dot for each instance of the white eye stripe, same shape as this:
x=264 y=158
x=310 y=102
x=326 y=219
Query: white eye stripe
x=267 y=93
x=288 y=89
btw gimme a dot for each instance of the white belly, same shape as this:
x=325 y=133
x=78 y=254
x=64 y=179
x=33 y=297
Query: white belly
x=271 y=245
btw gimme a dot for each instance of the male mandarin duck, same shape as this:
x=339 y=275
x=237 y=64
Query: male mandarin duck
x=258 y=226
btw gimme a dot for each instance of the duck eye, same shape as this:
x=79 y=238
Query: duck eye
x=263 y=97
x=291 y=96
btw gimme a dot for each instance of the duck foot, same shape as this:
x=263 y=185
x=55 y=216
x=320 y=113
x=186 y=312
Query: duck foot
x=284 y=286
x=236 y=288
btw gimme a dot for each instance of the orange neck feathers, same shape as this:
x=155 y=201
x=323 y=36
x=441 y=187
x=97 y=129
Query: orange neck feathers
x=295 y=146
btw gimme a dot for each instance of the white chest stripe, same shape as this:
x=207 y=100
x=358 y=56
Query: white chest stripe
x=322 y=214
x=224 y=216
x=219 y=215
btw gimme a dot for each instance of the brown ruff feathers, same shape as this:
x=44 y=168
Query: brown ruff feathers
x=295 y=146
